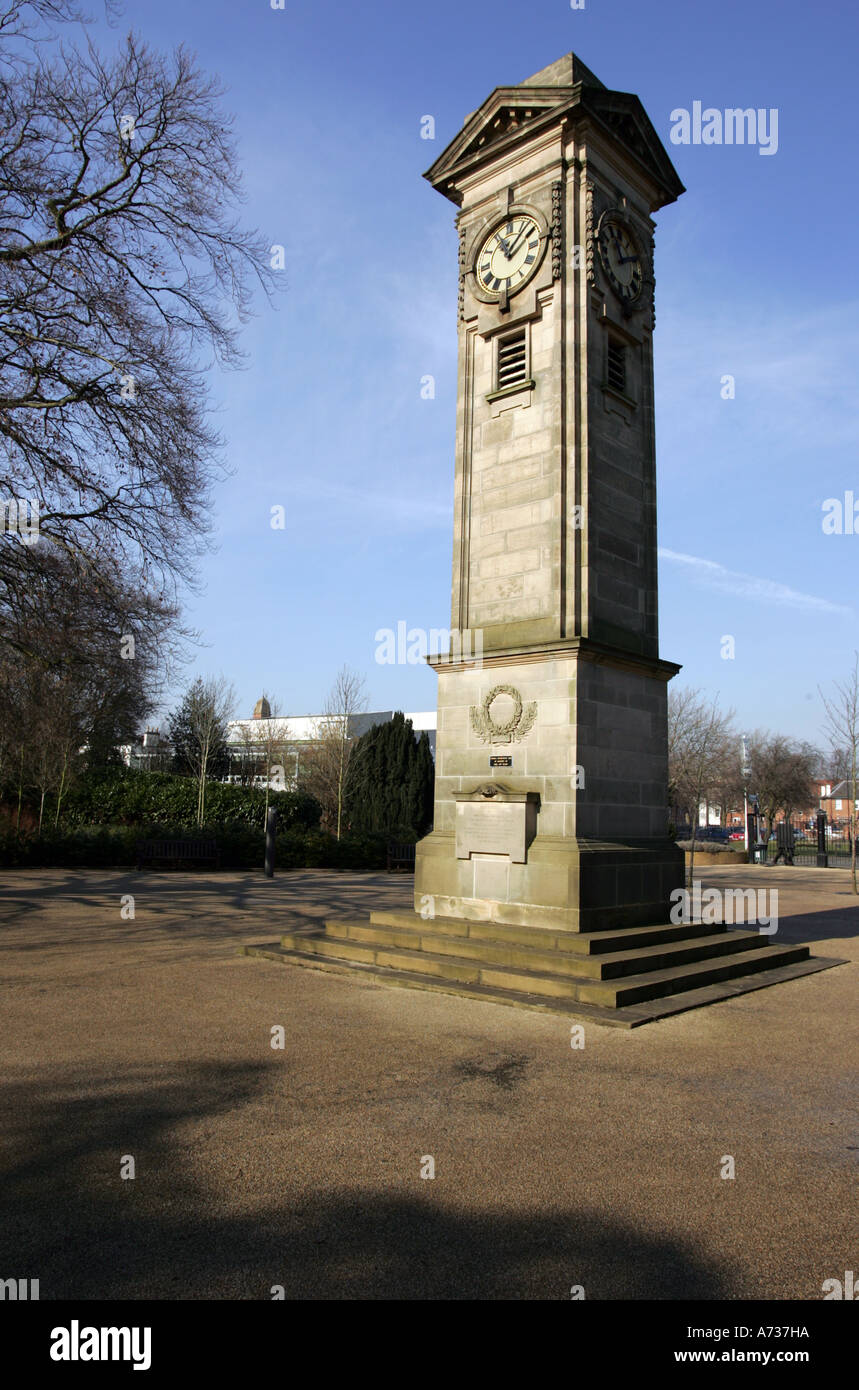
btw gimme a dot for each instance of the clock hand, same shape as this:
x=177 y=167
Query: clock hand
x=519 y=238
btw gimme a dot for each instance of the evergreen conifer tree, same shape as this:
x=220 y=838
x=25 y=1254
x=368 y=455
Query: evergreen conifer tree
x=389 y=785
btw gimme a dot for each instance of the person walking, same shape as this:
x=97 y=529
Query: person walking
x=784 y=842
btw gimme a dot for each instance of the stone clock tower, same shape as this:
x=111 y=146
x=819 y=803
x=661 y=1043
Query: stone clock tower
x=547 y=879
x=556 y=731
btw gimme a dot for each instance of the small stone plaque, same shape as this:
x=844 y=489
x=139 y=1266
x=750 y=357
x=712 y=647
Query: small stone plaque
x=500 y=761
x=491 y=820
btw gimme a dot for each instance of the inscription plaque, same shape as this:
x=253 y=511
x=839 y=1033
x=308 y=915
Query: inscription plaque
x=493 y=820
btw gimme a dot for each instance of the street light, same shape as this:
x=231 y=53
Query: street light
x=746 y=770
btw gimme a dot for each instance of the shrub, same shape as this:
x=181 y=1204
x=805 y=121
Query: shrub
x=240 y=846
x=713 y=846
x=100 y=846
x=127 y=797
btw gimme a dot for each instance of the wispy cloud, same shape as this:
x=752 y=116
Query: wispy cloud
x=794 y=380
x=387 y=508
x=707 y=574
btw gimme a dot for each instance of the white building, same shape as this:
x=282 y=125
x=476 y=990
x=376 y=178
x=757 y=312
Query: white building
x=153 y=754
x=248 y=739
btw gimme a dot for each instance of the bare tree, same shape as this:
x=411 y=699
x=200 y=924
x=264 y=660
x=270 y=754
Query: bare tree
x=207 y=709
x=782 y=774
x=842 y=727
x=243 y=754
x=16 y=735
x=698 y=742
x=123 y=273
x=728 y=784
x=73 y=705
x=327 y=758
x=836 y=764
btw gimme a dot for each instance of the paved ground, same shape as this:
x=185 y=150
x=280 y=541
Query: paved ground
x=301 y=1167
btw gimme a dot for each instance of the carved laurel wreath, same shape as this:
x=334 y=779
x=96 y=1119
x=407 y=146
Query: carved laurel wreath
x=513 y=729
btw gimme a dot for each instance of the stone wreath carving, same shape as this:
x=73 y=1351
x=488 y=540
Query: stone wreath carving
x=511 y=730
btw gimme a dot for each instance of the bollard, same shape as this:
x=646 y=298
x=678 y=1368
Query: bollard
x=270 y=833
x=822 y=856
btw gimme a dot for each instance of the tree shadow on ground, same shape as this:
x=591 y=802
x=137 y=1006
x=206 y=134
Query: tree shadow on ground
x=177 y=1232
x=202 y=906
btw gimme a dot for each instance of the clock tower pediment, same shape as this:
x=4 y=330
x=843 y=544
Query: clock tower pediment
x=624 y=117
x=504 y=119
x=566 y=91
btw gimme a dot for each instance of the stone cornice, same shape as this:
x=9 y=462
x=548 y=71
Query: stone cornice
x=582 y=648
x=620 y=115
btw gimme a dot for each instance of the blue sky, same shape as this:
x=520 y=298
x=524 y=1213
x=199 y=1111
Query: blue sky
x=755 y=277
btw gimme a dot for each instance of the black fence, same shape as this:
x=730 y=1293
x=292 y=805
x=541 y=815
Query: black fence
x=804 y=842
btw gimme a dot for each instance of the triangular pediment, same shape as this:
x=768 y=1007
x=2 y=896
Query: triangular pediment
x=512 y=114
x=625 y=117
x=500 y=120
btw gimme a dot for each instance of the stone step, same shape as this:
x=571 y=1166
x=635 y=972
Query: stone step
x=604 y=966
x=576 y=943
x=650 y=985
x=551 y=976
x=388 y=957
x=655 y=984
x=624 y=1016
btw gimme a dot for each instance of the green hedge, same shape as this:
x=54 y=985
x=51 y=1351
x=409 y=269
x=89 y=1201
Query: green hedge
x=96 y=847
x=713 y=846
x=313 y=849
x=241 y=847
x=130 y=798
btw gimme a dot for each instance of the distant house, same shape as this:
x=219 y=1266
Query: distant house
x=835 y=801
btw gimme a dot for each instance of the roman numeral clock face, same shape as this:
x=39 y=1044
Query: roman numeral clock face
x=508 y=255
x=621 y=259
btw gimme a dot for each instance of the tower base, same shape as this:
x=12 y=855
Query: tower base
x=567 y=884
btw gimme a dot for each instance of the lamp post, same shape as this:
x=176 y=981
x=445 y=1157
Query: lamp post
x=746 y=770
x=270 y=840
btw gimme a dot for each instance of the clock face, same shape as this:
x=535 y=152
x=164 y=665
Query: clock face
x=509 y=255
x=621 y=259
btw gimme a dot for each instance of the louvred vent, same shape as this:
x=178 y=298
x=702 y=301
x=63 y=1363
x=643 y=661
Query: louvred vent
x=512 y=361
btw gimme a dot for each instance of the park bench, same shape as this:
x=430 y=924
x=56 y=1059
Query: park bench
x=401 y=857
x=178 y=851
